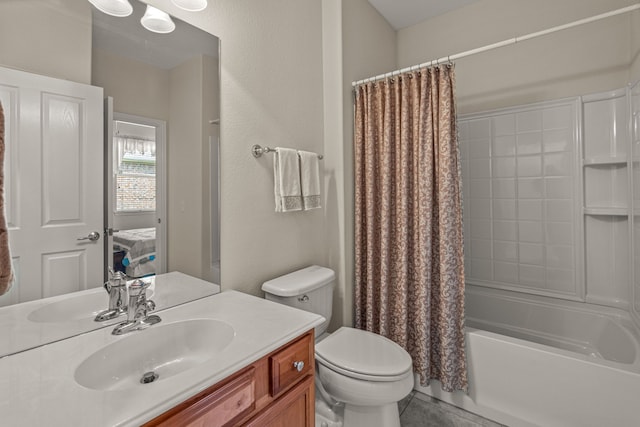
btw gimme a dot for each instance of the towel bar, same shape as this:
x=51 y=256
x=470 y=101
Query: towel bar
x=258 y=151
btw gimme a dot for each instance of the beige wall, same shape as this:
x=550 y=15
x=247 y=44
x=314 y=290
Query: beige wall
x=271 y=94
x=137 y=88
x=368 y=48
x=210 y=111
x=634 y=71
x=42 y=37
x=586 y=59
x=184 y=200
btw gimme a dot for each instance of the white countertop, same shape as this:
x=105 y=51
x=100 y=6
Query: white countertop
x=37 y=387
x=19 y=331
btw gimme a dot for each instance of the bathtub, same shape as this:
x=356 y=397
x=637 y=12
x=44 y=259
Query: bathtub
x=536 y=361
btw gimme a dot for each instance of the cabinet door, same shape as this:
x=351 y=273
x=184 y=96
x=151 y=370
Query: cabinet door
x=219 y=408
x=295 y=408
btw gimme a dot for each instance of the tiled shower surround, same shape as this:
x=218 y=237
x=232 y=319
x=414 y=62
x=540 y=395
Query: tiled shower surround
x=548 y=192
x=519 y=180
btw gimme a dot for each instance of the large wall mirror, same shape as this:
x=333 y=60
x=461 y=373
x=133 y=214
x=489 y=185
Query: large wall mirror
x=66 y=70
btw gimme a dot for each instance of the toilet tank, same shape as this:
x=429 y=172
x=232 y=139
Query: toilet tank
x=309 y=289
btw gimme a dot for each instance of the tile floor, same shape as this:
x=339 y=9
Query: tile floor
x=420 y=410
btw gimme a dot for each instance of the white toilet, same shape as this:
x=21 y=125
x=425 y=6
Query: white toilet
x=360 y=375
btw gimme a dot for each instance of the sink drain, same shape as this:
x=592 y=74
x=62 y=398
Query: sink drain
x=148 y=377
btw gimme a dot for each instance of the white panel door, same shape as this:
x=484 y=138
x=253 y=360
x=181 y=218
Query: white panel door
x=54 y=187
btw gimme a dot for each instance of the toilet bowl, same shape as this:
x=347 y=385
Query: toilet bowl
x=360 y=376
x=366 y=372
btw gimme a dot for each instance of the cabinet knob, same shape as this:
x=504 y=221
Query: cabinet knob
x=299 y=365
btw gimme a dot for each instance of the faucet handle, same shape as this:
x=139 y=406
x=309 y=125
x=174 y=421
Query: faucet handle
x=116 y=279
x=138 y=287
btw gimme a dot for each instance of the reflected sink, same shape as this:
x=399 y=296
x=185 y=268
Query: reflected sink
x=75 y=308
x=155 y=354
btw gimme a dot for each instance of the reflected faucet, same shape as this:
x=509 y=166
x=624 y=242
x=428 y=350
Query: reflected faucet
x=137 y=310
x=116 y=287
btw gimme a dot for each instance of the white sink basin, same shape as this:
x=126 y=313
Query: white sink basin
x=75 y=308
x=161 y=350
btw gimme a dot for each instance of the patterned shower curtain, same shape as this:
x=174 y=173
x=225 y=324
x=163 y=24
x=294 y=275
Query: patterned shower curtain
x=6 y=272
x=409 y=283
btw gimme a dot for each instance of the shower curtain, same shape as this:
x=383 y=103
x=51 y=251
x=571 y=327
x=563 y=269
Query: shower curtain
x=6 y=272
x=409 y=283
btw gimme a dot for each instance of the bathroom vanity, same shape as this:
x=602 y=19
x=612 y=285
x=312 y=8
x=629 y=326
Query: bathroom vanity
x=277 y=389
x=225 y=359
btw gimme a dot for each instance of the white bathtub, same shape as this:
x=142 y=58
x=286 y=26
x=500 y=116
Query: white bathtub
x=540 y=362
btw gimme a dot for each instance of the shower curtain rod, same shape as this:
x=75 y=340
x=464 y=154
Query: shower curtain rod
x=503 y=43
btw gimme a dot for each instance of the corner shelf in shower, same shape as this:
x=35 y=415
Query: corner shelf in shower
x=606 y=211
x=606 y=161
x=607 y=196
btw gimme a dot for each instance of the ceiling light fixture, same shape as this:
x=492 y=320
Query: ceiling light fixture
x=191 y=5
x=118 y=8
x=157 y=21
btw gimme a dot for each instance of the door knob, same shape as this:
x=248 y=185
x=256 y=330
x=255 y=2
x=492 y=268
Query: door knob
x=93 y=236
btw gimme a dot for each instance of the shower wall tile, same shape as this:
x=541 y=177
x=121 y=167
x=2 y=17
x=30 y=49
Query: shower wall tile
x=529 y=121
x=559 y=210
x=479 y=149
x=559 y=256
x=480 y=188
x=530 y=210
x=503 y=167
x=532 y=276
x=481 y=248
x=506 y=272
x=531 y=254
x=559 y=187
x=504 y=209
x=505 y=251
x=558 y=164
x=505 y=230
x=521 y=178
x=557 y=140
x=504 y=188
x=530 y=231
x=561 y=280
x=480 y=229
x=531 y=188
x=529 y=166
x=529 y=143
x=480 y=208
x=556 y=118
x=479 y=128
x=479 y=168
x=482 y=269
x=504 y=125
x=558 y=233
x=504 y=146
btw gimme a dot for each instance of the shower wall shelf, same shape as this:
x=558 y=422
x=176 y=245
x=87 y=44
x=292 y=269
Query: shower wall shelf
x=607 y=197
x=606 y=211
x=605 y=160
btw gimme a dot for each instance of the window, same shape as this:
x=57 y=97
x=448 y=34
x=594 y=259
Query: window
x=134 y=167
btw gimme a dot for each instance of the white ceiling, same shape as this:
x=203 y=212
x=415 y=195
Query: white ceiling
x=403 y=13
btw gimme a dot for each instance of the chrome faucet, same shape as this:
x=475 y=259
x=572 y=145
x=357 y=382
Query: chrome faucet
x=116 y=287
x=137 y=310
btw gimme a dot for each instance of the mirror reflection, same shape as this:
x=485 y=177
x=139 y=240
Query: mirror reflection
x=111 y=158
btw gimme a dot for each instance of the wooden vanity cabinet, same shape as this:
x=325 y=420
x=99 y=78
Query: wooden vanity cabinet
x=275 y=391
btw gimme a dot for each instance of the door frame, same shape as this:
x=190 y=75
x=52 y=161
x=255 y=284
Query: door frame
x=161 y=186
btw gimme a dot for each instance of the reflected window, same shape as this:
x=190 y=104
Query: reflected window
x=134 y=167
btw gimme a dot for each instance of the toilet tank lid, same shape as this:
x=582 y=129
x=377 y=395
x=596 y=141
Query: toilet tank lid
x=299 y=281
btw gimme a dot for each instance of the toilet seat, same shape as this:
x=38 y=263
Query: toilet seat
x=363 y=355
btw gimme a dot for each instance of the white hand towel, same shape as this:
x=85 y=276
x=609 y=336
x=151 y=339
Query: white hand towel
x=286 y=174
x=310 y=178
